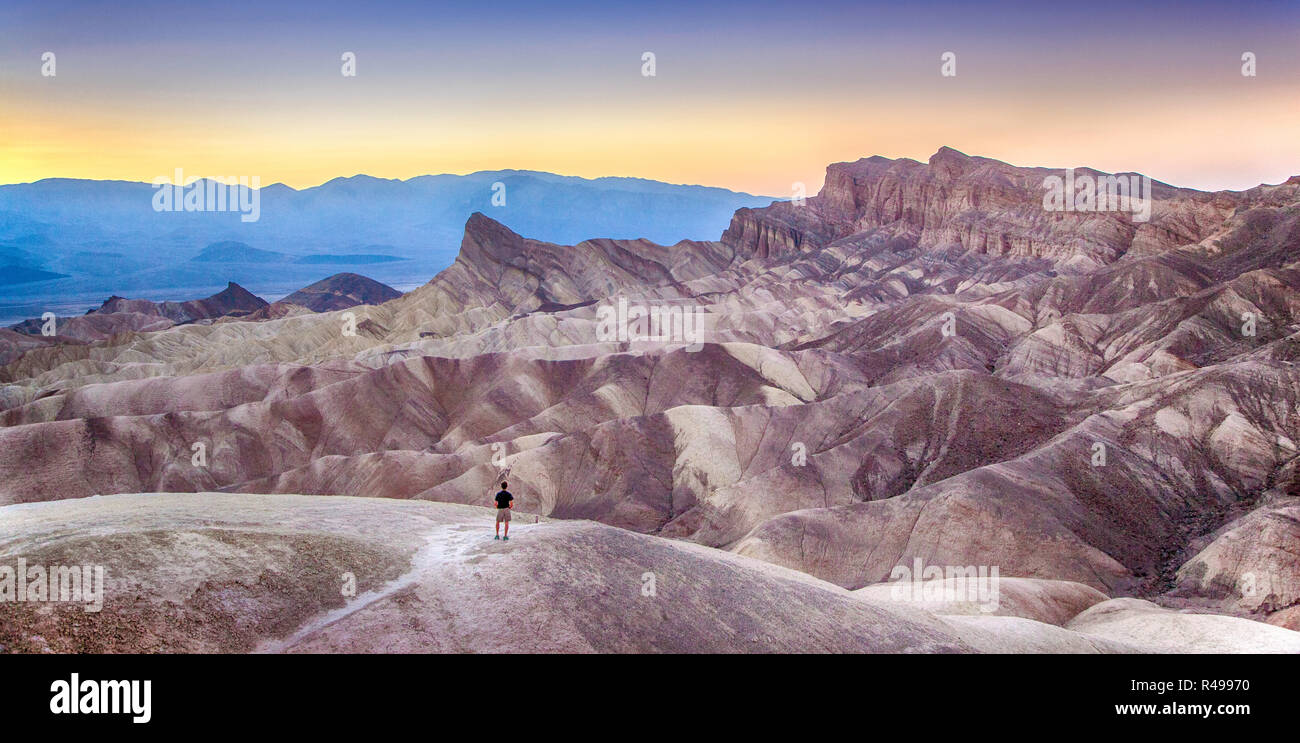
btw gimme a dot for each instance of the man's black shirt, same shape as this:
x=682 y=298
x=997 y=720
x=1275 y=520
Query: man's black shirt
x=503 y=499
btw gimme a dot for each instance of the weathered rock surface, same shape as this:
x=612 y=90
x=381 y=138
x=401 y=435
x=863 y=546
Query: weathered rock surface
x=212 y=572
x=1144 y=624
x=918 y=363
x=1049 y=601
x=1254 y=561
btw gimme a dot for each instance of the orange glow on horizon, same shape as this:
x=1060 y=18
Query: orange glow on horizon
x=724 y=144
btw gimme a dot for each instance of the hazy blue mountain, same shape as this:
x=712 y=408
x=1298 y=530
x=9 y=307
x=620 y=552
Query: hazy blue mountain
x=23 y=275
x=230 y=251
x=355 y=259
x=105 y=237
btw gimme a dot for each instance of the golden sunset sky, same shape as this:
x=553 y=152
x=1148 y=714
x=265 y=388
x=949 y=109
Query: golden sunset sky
x=750 y=97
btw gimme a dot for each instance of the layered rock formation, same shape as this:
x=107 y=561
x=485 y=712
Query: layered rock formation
x=918 y=363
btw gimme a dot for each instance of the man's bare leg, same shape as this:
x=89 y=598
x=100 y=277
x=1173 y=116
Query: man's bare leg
x=507 y=530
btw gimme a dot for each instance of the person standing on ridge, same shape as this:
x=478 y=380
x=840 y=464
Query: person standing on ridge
x=505 y=502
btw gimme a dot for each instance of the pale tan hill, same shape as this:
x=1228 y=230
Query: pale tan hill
x=211 y=572
x=1049 y=601
x=1142 y=623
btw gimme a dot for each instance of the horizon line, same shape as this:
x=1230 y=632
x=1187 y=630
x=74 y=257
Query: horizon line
x=408 y=179
x=525 y=171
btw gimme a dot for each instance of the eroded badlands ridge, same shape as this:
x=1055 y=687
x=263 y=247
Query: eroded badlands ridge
x=216 y=572
x=919 y=362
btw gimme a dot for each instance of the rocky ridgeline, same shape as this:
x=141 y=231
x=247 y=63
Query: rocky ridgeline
x=920 y=362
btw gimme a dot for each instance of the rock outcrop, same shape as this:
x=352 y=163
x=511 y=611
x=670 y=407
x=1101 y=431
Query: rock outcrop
x=120 y=315
x=920 y=362
x=341 y=291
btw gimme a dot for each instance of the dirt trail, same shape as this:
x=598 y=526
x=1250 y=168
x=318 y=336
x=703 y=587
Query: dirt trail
x=451 y=543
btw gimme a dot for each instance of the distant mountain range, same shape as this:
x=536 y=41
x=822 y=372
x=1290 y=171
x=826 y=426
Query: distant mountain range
x=65 y=244
x=230 y=251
